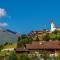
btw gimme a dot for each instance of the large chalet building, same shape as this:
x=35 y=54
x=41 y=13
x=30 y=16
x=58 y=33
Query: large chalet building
x=51 y=47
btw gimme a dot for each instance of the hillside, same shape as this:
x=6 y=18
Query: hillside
x=44 y=35
x=8 y=36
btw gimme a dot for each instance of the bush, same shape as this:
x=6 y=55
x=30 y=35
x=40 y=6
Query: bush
x=23 y=40
x=23 y=57
x=12 y=56
x=46 y=37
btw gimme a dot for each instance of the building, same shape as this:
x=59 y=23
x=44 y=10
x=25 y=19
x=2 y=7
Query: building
x=51 y=47
x=53 y=27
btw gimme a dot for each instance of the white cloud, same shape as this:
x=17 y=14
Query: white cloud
x=2 y=12
x=3 y=24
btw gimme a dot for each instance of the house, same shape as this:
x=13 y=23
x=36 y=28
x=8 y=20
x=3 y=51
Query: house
x=51 y=47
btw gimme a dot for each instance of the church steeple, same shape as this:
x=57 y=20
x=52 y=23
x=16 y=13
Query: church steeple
x=53 y=27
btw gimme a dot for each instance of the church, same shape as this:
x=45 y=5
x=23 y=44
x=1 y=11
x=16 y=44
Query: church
x=53 y=27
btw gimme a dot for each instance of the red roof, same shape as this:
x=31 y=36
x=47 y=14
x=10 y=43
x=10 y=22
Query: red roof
x=44 y=45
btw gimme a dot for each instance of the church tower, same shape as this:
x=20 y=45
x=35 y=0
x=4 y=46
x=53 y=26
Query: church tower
x=53 y=27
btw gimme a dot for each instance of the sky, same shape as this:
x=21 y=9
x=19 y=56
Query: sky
x=23 y=16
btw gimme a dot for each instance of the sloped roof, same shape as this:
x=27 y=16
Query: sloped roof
x=20 y=49
x=44 y=45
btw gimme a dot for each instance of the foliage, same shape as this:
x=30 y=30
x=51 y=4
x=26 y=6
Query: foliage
x=26 y=57
x=45 y=56
x=23 y=57
x=19 y=39
x=23 y=36
x=35 y=58
x=6 y=43
x=23 y=40
x=56 y=32
x=46 y=37
x=55 y=36
x=58 y=57
x=18 y=42
x=13 y=45
x=37 y=38
x=12 y=56
x=1 y=47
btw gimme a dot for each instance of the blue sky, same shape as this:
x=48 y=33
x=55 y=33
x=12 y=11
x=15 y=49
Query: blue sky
x=24 y=16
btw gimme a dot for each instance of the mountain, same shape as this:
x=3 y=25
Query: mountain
x=7 y=35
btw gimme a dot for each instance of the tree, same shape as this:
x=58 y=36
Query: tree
x=37 y=38
x=1 y=47
x=6 y=43
x=26 y=40
x=56 y=32
x=19 y=39
x=23 y=36
x=12 y=56
x=59 y=38
x=23 y=57
x=46 y=37
x=23 y=40
x=18 y=42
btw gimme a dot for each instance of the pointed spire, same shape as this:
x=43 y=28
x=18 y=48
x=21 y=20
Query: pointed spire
x=52 y=20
